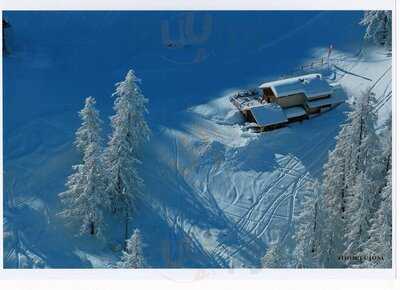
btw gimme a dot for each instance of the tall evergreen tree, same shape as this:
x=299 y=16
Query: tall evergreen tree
x=357 y=151
x=379 y=243
x=273 y=257
x=365 y=140
x=386 y=138
x=90 y=131
x=357 y=219
x=366 y=178
x=85 y=199
x=378 y=27
x=332 y=201
x=353 y=185
x=305 y=253
x=133 y=256
x=129 y=131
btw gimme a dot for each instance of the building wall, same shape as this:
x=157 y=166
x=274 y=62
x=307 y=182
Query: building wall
x=272 y=127
x=291 y=100
x=313 y=110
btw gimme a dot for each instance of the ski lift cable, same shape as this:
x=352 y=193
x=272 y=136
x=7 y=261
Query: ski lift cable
x=351 y=73
x=383 y=98
x=378 y=80
x=388 y=97
x=378 y=105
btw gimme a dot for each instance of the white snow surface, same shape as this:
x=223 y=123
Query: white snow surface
x=223 y=193
x=251 y=181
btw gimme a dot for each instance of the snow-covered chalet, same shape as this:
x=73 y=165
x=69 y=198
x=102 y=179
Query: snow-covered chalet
x=287 y=100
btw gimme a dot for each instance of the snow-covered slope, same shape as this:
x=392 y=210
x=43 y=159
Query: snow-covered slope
x=216 y=195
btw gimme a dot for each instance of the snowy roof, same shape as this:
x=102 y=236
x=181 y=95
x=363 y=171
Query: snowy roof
x=312 y=85
x=245 y=101
x=293 y=112
x=269 y=114
x=332 y=100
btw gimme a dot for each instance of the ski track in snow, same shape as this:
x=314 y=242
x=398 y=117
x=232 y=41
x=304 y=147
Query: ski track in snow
x=258 y=226
x=252 y=221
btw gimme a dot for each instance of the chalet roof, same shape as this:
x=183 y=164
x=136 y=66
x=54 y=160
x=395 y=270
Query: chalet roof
x=312 y=85
x=269 y=114
x=293 y=112
x=332 y=100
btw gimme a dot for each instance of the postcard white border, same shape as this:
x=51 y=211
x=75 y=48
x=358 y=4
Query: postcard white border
x=197 y=5
x=192 y=276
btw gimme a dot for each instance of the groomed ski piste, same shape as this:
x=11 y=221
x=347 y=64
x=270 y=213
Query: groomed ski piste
x=217 y=195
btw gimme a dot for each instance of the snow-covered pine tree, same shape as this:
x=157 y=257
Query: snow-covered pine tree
x=366 y=176
x=332 y=201
x=85 y=199
x=273 y=257
x=379 y=243
x=357 y=149
x=129 y=131
x=357 y=219
x=378 y=27
x=133 y=256
x=366 y=142
x=90 y=129
x=386 y=159
x=386 y=138
x=306 y=253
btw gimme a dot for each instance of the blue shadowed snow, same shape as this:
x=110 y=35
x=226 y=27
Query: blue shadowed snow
x=198 y=158
x=61 y=57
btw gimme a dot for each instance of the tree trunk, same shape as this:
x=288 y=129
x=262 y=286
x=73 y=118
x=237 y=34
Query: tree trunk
x=388 y=161
x=92 y=231
x=126 y=230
